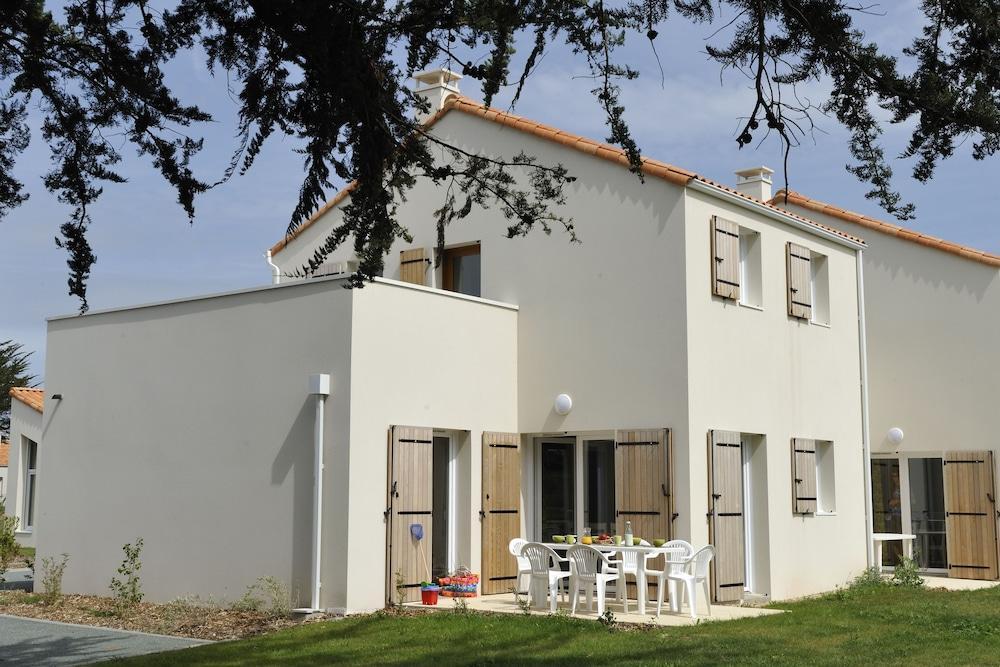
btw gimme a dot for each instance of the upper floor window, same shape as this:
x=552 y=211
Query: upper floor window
x=736 y=265
x=808 y=284
x=461 y=270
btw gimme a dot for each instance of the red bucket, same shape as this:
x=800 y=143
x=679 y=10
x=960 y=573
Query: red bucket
x=429 y=596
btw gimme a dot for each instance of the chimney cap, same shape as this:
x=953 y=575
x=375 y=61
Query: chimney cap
x=762 y=172
x=433 y=78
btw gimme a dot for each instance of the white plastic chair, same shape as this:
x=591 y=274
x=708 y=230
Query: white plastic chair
x=545 y=573
x=634 y=565
x=591 y=569
x=523 y=566
x=675 y=563
x=695 y=572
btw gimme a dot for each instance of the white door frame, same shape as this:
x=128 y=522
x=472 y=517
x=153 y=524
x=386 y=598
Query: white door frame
x=905 y=511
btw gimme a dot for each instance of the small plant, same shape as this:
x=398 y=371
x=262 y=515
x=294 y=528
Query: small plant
x=128 y=589
x=52 y=575
x=522 y=601
x=461 y=606
x=9 y=549
x=869 y=578
x=267 y=594
x=400 y=588
x=907 y=573
x=607 y=619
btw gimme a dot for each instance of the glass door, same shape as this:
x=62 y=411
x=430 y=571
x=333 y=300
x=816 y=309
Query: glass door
x=599 y=486
x=557 y=492
x=887 y=506
x=927 y=516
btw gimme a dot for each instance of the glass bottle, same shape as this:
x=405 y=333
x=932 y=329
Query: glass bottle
x=628 y=533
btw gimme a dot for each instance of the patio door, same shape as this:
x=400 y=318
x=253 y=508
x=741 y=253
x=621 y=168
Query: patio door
x=501 y=510
x=410 y=511
x=726 y=523
x=970 y=515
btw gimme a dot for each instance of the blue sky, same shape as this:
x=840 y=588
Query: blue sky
x=147 y=251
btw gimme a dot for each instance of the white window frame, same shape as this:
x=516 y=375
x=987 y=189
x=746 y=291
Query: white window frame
x=748 y=239
x=824 y=505
x=30 y=492
x=819 y=271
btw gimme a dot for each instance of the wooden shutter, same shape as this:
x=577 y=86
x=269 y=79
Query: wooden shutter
x=725 y=258
x=726 y=528
x=970 y=515
x=644 y=487
x=501 y=510
x=803 y=476
x=413 y=266
x=798 y=263
x=411 y=502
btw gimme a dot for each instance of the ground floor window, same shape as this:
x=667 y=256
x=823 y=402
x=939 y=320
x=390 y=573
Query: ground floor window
x=30 y=457
x=575 y=485
x=443 y=502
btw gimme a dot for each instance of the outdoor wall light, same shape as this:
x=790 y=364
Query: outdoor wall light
x=895 y=435
x=563 y=404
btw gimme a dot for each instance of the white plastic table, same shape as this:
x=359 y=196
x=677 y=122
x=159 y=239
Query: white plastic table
x=880 y=538
x=616 y=548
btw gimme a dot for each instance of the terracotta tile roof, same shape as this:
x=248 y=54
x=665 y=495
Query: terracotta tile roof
x=33 y=398
x=4 y=453
x=888 y=228
x=650 y=166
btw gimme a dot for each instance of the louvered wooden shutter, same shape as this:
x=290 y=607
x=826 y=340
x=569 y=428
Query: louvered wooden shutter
x=970 y=515
x=803 y=476
x=644 y=487
x=501 y=510
x=798 y=263
x=413 y=266
x=411 y=502
x=726 y=528
x=725 y=258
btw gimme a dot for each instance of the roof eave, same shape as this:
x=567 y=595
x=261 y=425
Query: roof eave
x=753 y=205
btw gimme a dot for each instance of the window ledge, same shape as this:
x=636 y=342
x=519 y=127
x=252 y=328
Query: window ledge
x=29 y=531
x=751 y=306
x=820 y=324
x=834 y=513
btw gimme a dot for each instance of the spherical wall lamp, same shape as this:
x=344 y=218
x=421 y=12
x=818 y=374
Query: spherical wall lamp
x=895 y=436
x=563 y=404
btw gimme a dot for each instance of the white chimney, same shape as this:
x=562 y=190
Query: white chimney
x=436 y=86
x=755 y=182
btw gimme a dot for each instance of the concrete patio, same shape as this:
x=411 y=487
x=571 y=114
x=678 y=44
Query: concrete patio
x=505 y=603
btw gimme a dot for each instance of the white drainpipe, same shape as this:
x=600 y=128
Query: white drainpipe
x=865 y=430
x=319 y=386
x=275 y=271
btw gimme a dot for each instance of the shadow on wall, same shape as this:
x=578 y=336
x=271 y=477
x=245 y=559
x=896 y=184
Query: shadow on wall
x=296 y=457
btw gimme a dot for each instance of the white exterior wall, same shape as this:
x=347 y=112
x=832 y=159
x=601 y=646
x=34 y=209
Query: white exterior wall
x=761 y=371
x=190 y=424
x=933 y=358
x=601 y=320
x=25 y=423
x=604 y=321
x=422 y=358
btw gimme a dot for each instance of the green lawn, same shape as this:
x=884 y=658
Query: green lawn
x=883 y=626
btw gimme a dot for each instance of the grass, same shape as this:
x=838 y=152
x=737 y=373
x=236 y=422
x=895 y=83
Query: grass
x=882 y=625
x=28 y=552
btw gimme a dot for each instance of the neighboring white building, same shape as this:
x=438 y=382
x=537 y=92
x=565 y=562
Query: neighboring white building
x=695 y=366
x=933 y=312
x=25 y=434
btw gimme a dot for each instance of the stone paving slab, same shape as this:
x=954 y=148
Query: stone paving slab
x=29 y=641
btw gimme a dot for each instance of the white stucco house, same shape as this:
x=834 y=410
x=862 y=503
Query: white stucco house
x=4 y=456
x=698 y=366
x=27 y=405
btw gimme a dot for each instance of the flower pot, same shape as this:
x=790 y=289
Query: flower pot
x=429 y=596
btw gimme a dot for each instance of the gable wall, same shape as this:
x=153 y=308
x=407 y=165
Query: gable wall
x=933 y=356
